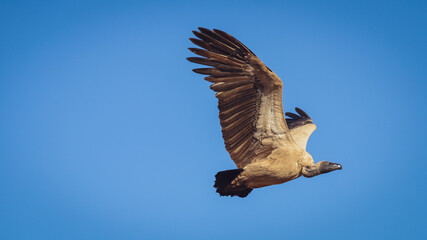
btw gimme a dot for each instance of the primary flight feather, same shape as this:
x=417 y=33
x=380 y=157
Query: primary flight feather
x=266 y=148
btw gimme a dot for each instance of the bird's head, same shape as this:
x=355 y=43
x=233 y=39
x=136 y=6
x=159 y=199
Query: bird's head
x=325 y=167
x=320 y=168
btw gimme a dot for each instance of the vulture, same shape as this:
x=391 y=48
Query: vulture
x=266 y=147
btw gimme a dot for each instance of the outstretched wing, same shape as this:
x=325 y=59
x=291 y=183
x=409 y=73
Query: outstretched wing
x=301 y=127
x=249 y=96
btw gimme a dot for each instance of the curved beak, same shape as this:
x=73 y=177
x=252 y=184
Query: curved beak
x=337 y=166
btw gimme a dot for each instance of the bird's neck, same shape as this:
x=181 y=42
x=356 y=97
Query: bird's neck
x=311 y=171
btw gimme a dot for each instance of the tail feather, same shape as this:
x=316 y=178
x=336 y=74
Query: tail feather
x=224 y=188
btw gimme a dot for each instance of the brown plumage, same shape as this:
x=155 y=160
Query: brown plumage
x=266 y=148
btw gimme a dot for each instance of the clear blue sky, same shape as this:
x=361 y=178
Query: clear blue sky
x=106 y=133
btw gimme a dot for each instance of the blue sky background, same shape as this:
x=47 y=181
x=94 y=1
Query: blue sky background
x=106 y=133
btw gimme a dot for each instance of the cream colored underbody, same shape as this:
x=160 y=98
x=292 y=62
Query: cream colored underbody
x=282 y=165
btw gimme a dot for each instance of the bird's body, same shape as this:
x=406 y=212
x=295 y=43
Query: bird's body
x=278 y=167
x=267 y=148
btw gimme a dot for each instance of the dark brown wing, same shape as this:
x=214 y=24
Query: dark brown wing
x=249 y=96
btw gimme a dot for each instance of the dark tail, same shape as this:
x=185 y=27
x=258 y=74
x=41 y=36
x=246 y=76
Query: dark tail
x=223 y=187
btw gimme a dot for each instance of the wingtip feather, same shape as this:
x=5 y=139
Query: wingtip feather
x=292 y=115
x=302 y=113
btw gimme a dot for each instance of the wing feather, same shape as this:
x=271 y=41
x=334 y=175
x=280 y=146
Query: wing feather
x=249 y=96
x=300 y=126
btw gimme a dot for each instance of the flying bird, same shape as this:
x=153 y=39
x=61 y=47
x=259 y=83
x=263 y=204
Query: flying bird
x=266 y=147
